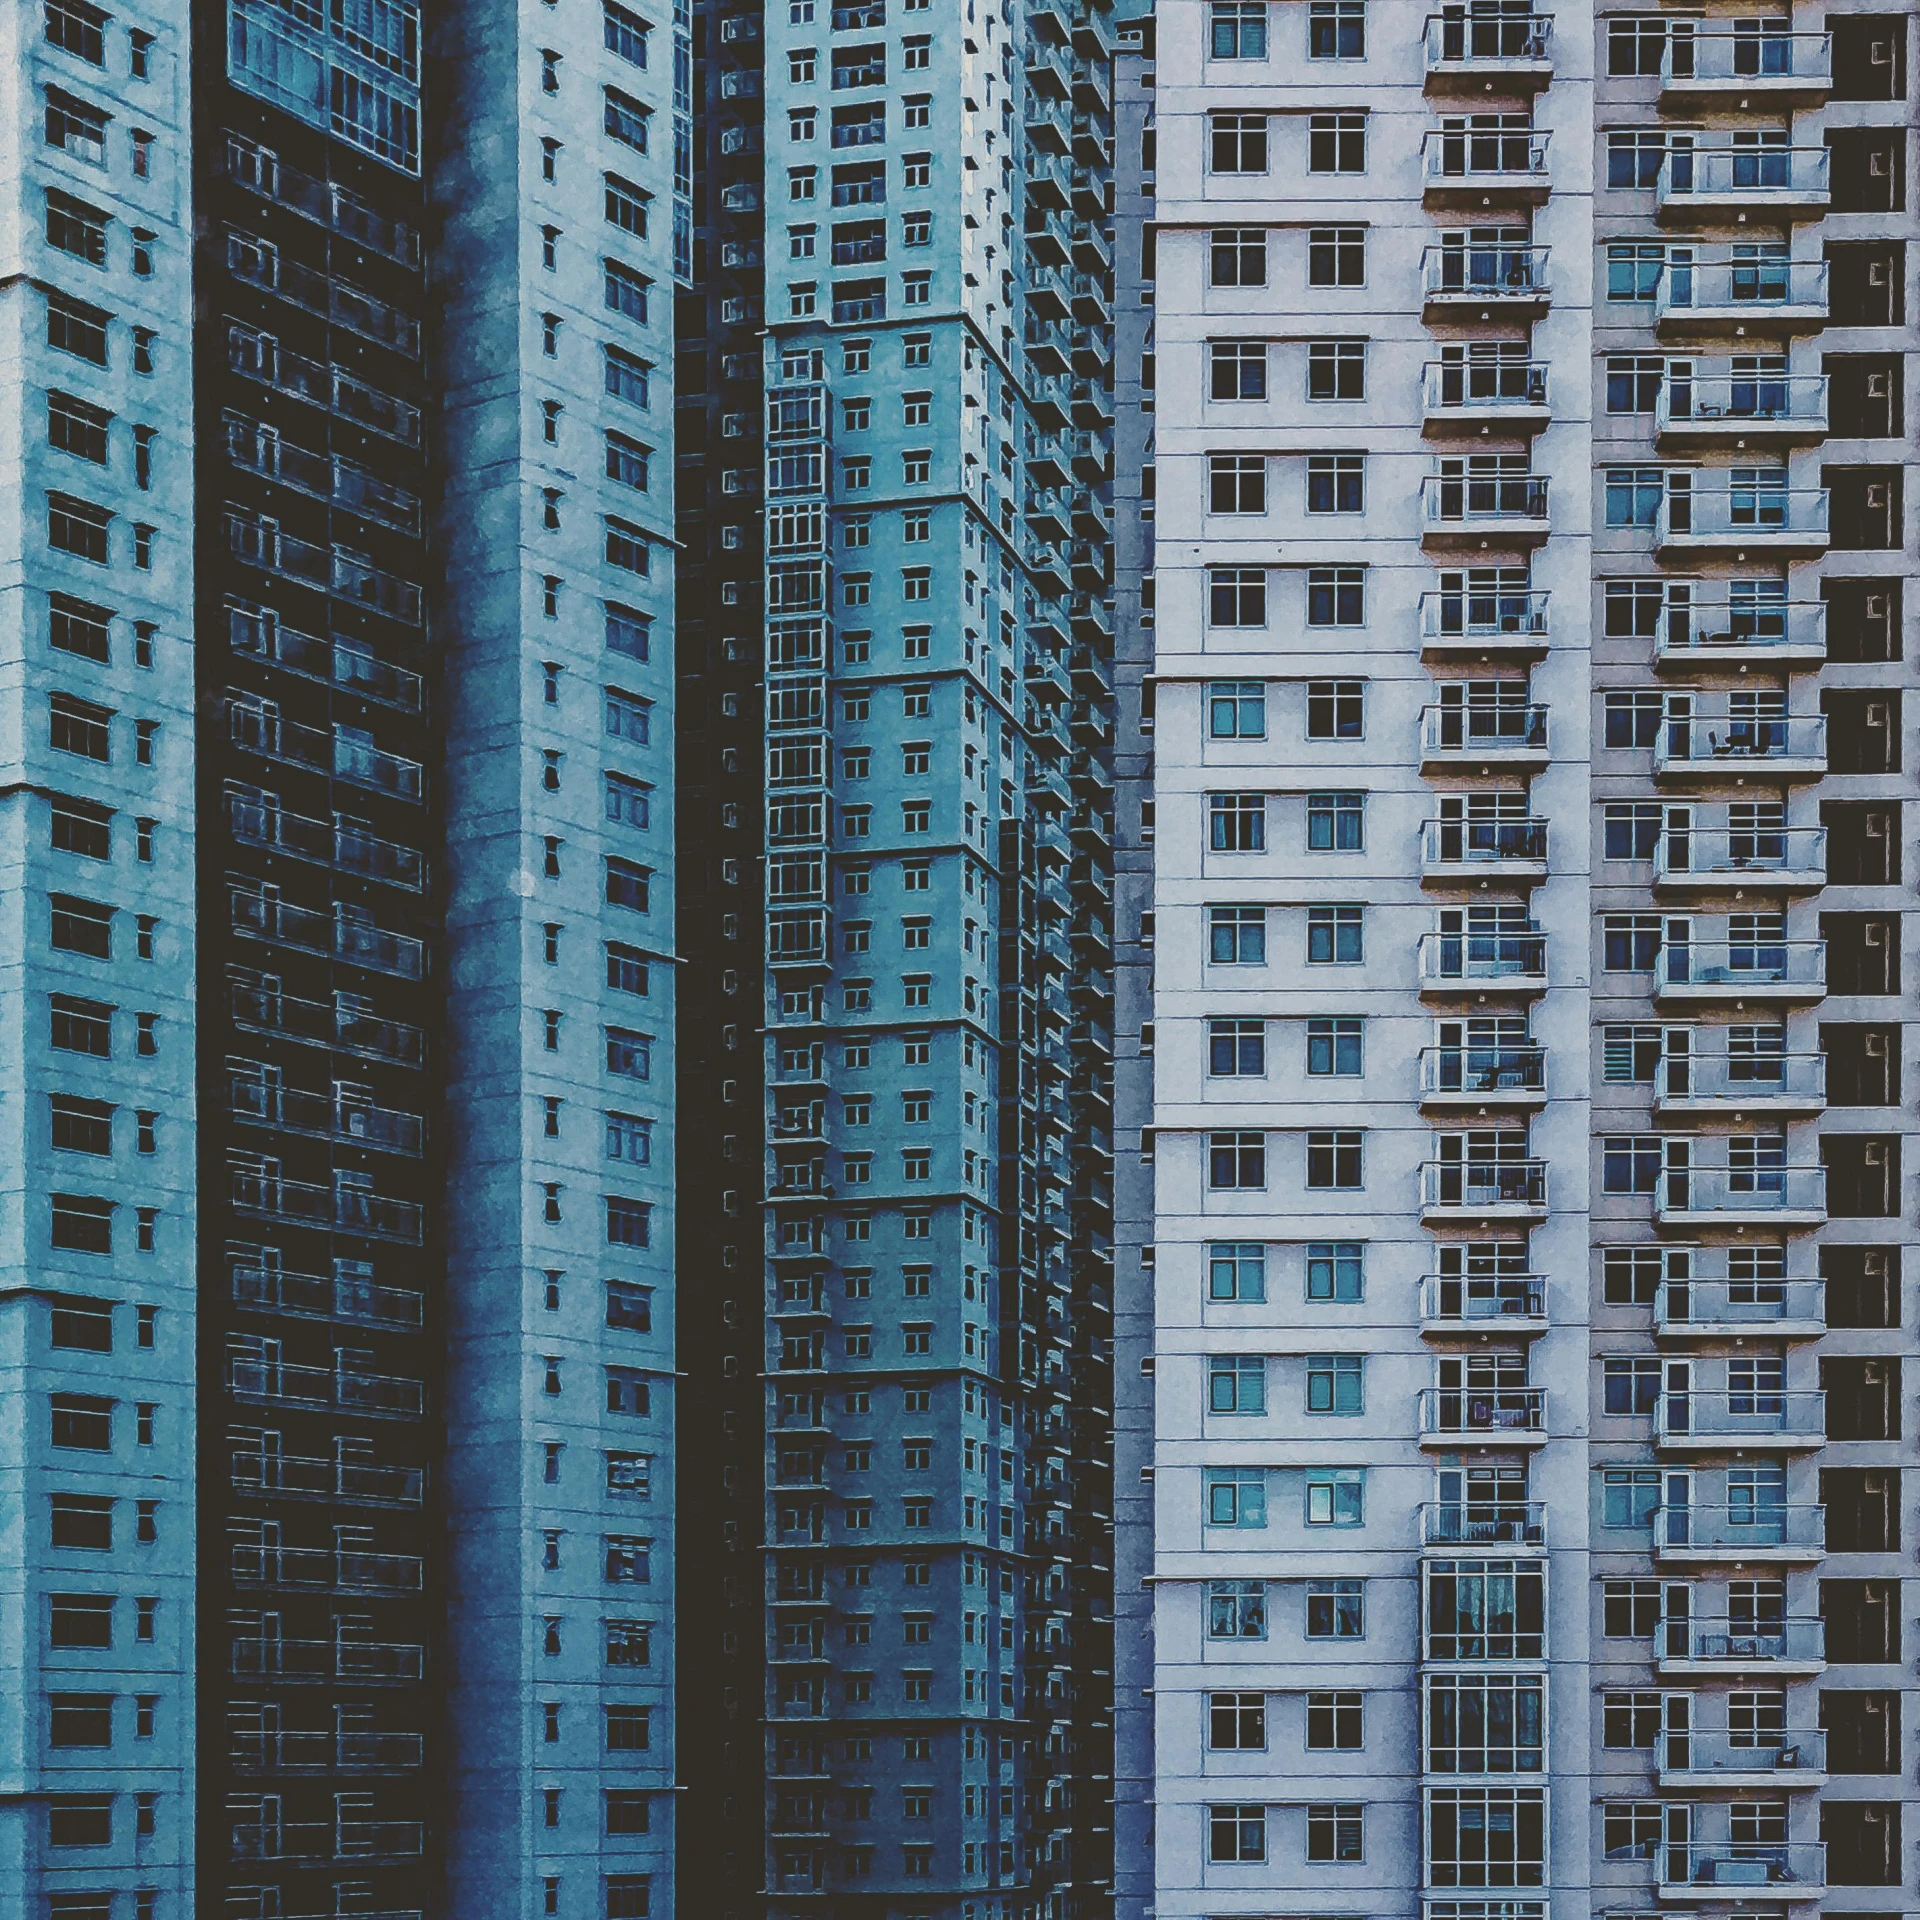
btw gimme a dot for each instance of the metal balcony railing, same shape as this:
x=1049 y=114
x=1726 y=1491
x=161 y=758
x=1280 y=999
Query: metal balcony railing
x=1750 y=1192
x=1487 y=39
x=1735 y=965
x=1482 y=1302
x=1487 y=1412
x=346 y=1295
x=1483 y=1523
x=1796 y=1079
x=322 y=1752
x=1798 y=1642
x=342 y=843
x=1746 y=61
x=326 y=1115
x=1738 y=1306
x=338 y=1568
x=1744 y=1868
x=1483 y=614
x=1483 y=1070
x=1697 y=853
x=1483 y=386
x=1710 y=288
x=1470 y=842
x=1713 y=742
x=1483 y=958
x=1743 y=515
x=1752 y=1418
x=1756 y=1528
x=1484 y=726
x=1510 y=501
x=1485 y=156
x=346 y=1208
x=341 y=1025
x=1742 y=404
x=312 y=1476
x=349 y=1388
x=269 y=1657
x=1485 y=271
x=1795 y=627
x=1471 y=1186
x=1776 y=1752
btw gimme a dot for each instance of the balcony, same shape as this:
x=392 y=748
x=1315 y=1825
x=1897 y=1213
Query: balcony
x=344 y=1295
x=1483 y=1416
x=345 y=934
x=344 y=1208
x=1494 y=52
x=1483 y=623
x=1749 y=520
x=1714 y=972
x=1447 y=1525
x=329 y=1116
x=1741 y=1870
x=1482 y=396
x=1453 y=964
x=348 y=1388
x=1480 y=166
x=1717 y=1421
x=314 y=1477
x=1764 y=71
x=1737 y=410
x=1705 y=859
x=1496 y=1190
x=1711 y=298
x=1485 y=281
x=1793 y=1760
x=1486 y=734
x=344 y=1026
x=1780 y=1197
x=1731 y=185
x=1732 y=1309
x=342 y=843
x=1458 y=853
x=1714 y=1536
x=1453 y=1305
x=1770 y=1086
x=1505 y=1077
x=1461 y=511
x=1777 y=635
x=269 y=1657
x=322 y=1840
x=321 y=1752
x=1705 y=746
x=1700 y=1648
x=333 y=1569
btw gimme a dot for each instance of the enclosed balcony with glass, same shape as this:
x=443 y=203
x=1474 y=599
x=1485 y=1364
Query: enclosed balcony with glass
x=1725 y=179
x=1480 y=48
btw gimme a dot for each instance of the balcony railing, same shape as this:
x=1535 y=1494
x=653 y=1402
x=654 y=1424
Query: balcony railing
x=323 y=1752
x=1785 y=630
x=1490 y=1303
x=1489 y=616
x=1687 y=856
x=326 y=1115
x=322 y=1840
x=1496 y=159
x=1489 y=1413
x=342 y=843
x=1720 y=1418
x=1716 y=1307
x=339 y=1025
x=1794 y=1756
x=312 y=1476
x=269 y=1657
x=1736 y=1532
x=1484 y=727
x=1490 y=1070
x=1473 y=1187
x=1484 y=389
x=1470 y=843
x=1738 y=403
x=327 y=1296
x=1489 y=272
x=1493 y=503
x=346 y=1209
x=1746 y=517
x=1702 y=180
x=1483 y=959
x=1755 y=65
x=348 y=1388
x=1763 y=1080
x=1744 y=1644
x=1715 y=968
x=1715 y=743
x=1746 y=1193
x=341 y=1569
x=1703 y=291
x=1483 y=1523
x=1741 y=1869
x=1488 y=42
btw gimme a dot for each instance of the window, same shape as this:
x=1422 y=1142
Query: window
x=80 y=827
x=1635 y=719
x=1334 y=1161
x=1628 y=1496
x=1636 y=45
x=81 y=1126
x=1630 y=1055
x=81 y=1522
x=76 y=328
x=1629 y=1719
x=1631 y=1163
x=1335 y=709
x=1336 y=1609
x=1236 y=483
x=1336 y=1497
x=1237 y=1383
x=1630 y=942
x=627 y=718
x=1236 y=1497
x=1236 y=1610
x=1238 y=142
x=1239 y=30
x=624 y=291
x=1336 y=257
x=626 y=119
x=1237 y=1048
x=80 y=1620
x=1630 y=1386
x=82 y=926
x=1630 y=829
x=78 y=527
x=627 y=885
x=1334 y=1048
x=1336 y=482
x=1337 y=30
x=1337 y=143
x=1335 y=935
x=1237 y=1271
x=624 y=33
x=1237 y=369
x=1634 y=156
x=1237 y=596
x=629 y=1223
x=1237 y=822
x=1633 y=381
x=82 y=1422
x=1237 y=1161
x=630 y=1054
x=1237 y=936
x=1334 y=1723
x=82 y=1026
x=1335 y=1383
x=80 y=29
x=1336 y=596
x=1336 y=822
x=1336 y=1270
x=1336 y=370
x=627 y=461
x=1237 y=1722
x=76 y=127
x=75 y=427
x=1634 y=269
x=1334 y=1833
x=626 y=969
x=1632 y=1829
x=1239 y=257
x=76 y=228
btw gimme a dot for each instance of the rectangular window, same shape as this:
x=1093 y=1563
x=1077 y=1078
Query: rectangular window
x=1236 y=1835
x=1336 y=1496
x=1237 y=709
x=1336 y=257
x=1236 y=1610
x=1336 y=1609
x=626 y=969
x=1237 y=822
x=1237 y=142
x=1238 y=257
x=1336 y=1383
x=1336 y=936
x=1631 y=1163
x=627 y=718
x=1239 y=30
x=75 y=227
x=1237 y=596
x=628 y=547
x=1335 y=1723
x=1237 y=1722
x=1237 y=483
x=1336 y=370
x=1336 y=1270
x=78 y=527
x=82 y=1422
x=627 y=378
x=624 y=33
x=1334 y=1161
x=626 y=119
x=1633 y=496
x=81 y=1126
x=79 y=29
x=80 y=827
x=1336 y=709
x=1336 y=143
x=1335 y=1048
x=1237 y=1383
x=628 y=885
x=1337 y=30
x=1237 y=1047
x=624 y=291
x=1237 y=1161
x=75 y=327
x=1336 y=482
x=1634 y=269
x=1237 y=369
x=1237 y=1271
x=79 y=627
x=1237 y=936
x=1334 y=1834
x=1336 y=596
x=627 y=462
x=1336 y=822
x=82 y=926
x=1237 y=1497
x=76 y=427
x=629 y=1223
x=1633 y=382
x=630 y=1054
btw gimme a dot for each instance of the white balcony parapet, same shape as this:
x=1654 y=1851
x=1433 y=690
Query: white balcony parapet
x=1736 y=1533
x=1743 y=1645
x=1770 y=746
x=1747 y=516
x=1697 y=855
x=1721 y=1307
x=1702 y=969
x=1473 y=960
x=1483 y=1413
x=1718 y=1419
x=1784 y=1195
x=1742 y=1870
x=1489 y=1303
x=1708 y=182
x=1709 y=1756
x=1713 y=295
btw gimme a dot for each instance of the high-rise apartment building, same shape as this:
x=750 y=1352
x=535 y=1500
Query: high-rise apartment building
x=1527 y=930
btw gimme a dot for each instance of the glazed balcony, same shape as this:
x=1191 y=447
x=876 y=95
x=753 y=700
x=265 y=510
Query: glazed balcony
x=1502 y=510
x=1711 y=972
x=348 y=1388
x=1448 y=1525
x=326 y=1840
x=1478 y=53
x=1481 y=623
x=321 y=1752
x=1492 y=1190
x=1777 y=635
x=1478 y=396
x=1711 y=298
x=329 y=1569
x=269 y=1657
x=1738 y=1197
x=345 y=1208
x=343 y=934
x=1709 y=859
x=1727 y=185
x=313 y=1477
x=1754 y=521
x=344 y=844
x=346 y=753
x=1787 y=1535
x=1475 y=1305
x=344 y=1025
x=1737 y=72
x=1502 y=1077
x=1452 y=964
x=1702 y=1085
x=1470 y=166
x=1460 y=852
x=1792 y=1760
x=345 y=1295
x=1704 y=746
x=330 y=1116
x=1733 y=1309
x=1714 y=1420
x=1484 y=734
x=1710 y=1647
x=1738 y=410
x=1741 y=1871
x=1490 y=281
x=1483 y=1416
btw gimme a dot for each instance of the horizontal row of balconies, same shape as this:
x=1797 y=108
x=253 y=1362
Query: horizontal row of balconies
x=1685 y=1194
x=1696 y=1421
x=337 y=1569
x=328 y=1840
x=1711 y=739
x=274 y=1658
x=1685 y=1085
x=344 y=1750
x=1701 y=971
x=346 y=1113
x=1515 y=1304
x=1705 y=409
x=1780 y=634
x=1789 y=1533
x=1455 y=851
x=1713 y=512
